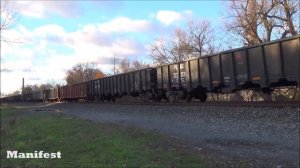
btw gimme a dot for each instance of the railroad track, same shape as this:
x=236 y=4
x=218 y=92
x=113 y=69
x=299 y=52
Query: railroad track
x=275 y=104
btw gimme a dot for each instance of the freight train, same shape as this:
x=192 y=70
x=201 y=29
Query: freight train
x=264 y=66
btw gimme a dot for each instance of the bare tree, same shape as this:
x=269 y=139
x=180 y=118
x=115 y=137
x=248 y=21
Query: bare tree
x=45 y=86
x=201 y=37
x=278 y=16
x=161 y=51
x=287 y=16
x=126 y=66
x=196 y=41
x=83 y=72
x=244 y=21
x=257 y=21
x=139 y=65
x=27 y=89
x=34 y=88
x=181 y=45
x=175 y=49
x=17 y=92
x=8 y=19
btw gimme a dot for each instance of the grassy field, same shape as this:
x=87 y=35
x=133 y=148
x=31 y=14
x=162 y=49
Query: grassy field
x=85 y=143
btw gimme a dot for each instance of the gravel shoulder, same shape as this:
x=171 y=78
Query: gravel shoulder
x=265 y=137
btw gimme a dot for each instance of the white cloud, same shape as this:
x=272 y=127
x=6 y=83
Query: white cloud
x=40 y=9
x=125 y=47
x=124 y=24
x=36 y=10
x=11 y=79
x=188 y=13
x=43 y=56
x=18 y=35
x=51 y=29
x=168 y=17
x=22 y=64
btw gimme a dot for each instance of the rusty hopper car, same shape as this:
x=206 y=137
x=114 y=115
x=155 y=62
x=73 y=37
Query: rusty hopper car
x=262 y=66
x=74 y=92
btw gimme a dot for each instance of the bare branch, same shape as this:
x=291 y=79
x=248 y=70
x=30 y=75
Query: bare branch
x=8 y=19
x=254 y=21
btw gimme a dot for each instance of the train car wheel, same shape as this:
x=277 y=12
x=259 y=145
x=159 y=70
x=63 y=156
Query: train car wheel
x=188 y=98
x=203 y=97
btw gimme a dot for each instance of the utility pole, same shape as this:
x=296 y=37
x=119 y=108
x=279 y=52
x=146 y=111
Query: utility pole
x=114 y=64
x=115 y=60
x=23 y=85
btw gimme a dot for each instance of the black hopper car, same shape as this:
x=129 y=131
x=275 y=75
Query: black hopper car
x=139 y=83
x=262 y=66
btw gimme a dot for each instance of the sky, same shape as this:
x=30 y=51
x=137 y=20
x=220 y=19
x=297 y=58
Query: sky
x=52 y=36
